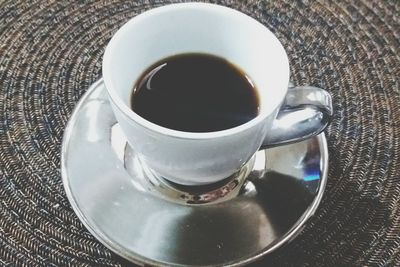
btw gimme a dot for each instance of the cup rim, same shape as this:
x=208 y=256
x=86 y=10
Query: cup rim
x=128 y=112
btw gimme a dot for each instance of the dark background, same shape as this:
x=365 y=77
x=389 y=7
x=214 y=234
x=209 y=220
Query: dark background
x=51 y=51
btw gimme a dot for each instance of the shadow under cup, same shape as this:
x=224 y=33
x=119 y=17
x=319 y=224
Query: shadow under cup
x=184 y=157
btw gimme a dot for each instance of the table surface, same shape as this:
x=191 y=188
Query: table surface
x=51 y=51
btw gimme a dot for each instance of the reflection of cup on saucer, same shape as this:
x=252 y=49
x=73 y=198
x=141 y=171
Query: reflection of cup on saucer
x=193 y=158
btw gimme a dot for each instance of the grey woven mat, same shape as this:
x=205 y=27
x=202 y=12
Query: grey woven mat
x=50 y=52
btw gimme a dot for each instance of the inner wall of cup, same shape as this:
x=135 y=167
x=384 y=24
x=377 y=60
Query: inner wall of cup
x=218 y=31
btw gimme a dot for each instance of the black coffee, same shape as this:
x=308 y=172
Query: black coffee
x=195 y=93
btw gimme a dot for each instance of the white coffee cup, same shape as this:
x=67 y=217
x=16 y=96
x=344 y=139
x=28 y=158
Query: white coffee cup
x=201 y=158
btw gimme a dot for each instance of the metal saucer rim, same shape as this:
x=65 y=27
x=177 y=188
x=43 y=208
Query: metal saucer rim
x=140 y=260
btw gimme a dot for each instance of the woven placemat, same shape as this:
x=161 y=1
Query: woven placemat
x=51 y=51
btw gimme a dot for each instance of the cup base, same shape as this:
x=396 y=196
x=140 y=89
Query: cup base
x=162 y=187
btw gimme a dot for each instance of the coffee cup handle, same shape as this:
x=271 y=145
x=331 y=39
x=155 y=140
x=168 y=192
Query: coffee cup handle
x=305 y=112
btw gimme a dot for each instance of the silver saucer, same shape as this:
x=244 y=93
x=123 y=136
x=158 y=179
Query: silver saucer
x=152 y=221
